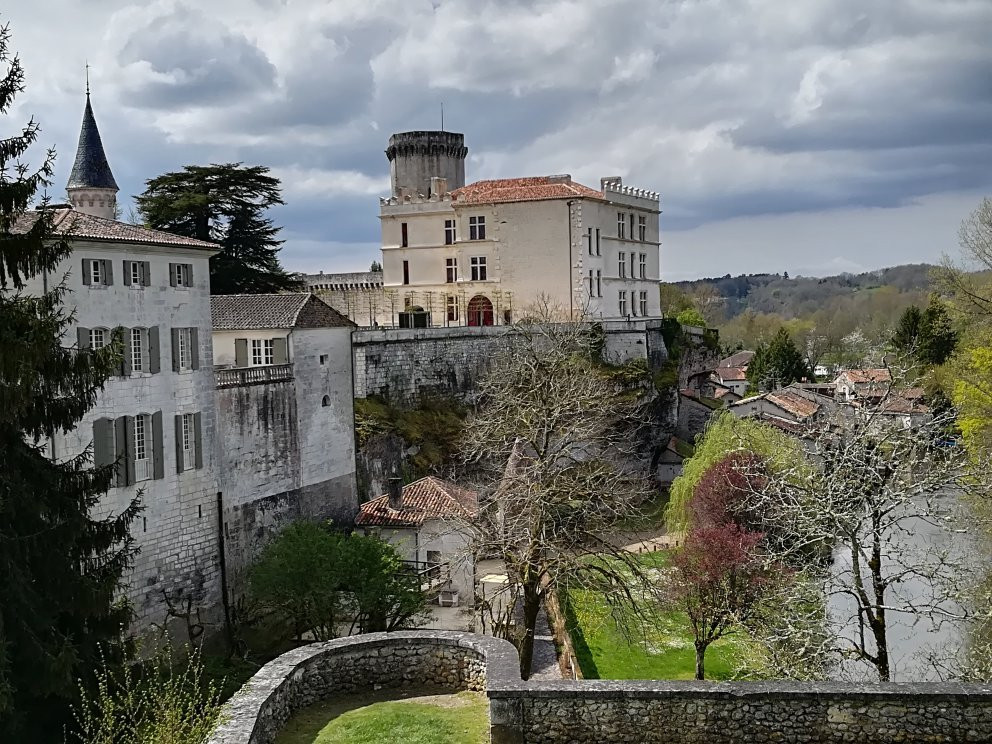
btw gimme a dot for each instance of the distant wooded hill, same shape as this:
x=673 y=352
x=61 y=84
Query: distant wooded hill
x=797 y=297
x=829 y=313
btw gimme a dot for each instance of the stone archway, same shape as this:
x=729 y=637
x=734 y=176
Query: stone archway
x=480 y=311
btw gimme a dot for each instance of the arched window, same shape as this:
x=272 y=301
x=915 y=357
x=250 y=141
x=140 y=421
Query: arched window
x=325 y=401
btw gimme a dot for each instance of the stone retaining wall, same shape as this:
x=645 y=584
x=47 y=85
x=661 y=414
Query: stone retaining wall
x=310 y=674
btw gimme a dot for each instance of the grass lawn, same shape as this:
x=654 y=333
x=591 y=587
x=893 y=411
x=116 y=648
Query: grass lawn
x=435 y=719
x=661 y=649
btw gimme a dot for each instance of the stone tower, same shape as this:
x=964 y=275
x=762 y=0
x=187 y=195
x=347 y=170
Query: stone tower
x=92 y=188
x=417 y=157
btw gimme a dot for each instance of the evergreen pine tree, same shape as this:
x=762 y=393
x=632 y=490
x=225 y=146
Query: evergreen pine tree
x=938 y=338
x=226 y=204
x=777 y=364
x=60 y=568
x=907 y=334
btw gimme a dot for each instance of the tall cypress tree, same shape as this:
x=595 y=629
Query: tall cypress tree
x=224 y=203
x=60 y=568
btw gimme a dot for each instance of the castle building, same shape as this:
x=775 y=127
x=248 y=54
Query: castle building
x=156 y=416
x=483 y=253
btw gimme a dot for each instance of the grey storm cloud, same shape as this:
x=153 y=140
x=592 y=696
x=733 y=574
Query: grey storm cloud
x=733 y=110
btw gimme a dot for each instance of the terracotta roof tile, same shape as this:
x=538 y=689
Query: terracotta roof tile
x=424 y=499
x=793 y=403
x=522 y=189
x=864 y=376
x=738 y=359
x=733 y=374
x=84 y=226
x=243 y=312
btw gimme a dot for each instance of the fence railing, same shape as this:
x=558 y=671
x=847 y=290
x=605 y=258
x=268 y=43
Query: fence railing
x=235 y=376
x=428 y=575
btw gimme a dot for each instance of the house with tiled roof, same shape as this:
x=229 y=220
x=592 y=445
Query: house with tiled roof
x=734 y=378
x=862 y=383
x=786 y=403
x=427 y=522
x=156 y=416
x=481 y=253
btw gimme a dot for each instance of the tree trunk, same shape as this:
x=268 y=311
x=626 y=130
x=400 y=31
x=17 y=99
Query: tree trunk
x=878 y=626
x=700 y=653
x=532 y=606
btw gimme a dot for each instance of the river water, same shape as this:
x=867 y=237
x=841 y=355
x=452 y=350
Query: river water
x=912 y=638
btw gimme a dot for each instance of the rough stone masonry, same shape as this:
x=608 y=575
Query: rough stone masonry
x=595 y=711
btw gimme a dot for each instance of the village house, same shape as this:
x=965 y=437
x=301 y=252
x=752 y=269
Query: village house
x=426 y=521
x=672 y=458
x=862 y=383
x=788 y=404
x=285 y=409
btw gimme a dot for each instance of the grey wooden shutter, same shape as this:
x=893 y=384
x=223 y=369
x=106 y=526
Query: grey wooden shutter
x=158 y=451
x=154 y=351
x=189 y=274
x=279 y=351
x=128 y=449
x=127 y=273
x=175 y=349
x=108 y=272
x=179 y=443
x=82 y=338
x=172 y=275
x=240 y=352
x=126 y=359
x=198 y=440
x=86 y=271
x=194 y=348
x=103 y=442
x=146 y=273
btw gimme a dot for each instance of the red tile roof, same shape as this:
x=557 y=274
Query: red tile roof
x=427 y=498
x=864 y=376
x=738 y=359
x=535 y=188
x=84 y=226
x=793 y=403
x=734 y=374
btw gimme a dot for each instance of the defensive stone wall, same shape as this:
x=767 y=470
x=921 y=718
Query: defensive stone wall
x=403 y=364
x=595 y=711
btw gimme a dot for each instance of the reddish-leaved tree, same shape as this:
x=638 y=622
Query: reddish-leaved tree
x=717 y=579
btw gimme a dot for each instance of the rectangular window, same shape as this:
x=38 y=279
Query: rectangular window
x=622 y=268
x=623 y=302
x=185 y=346
x=478 y=264
x=182 y=275
x=452 y=306
x=98 y=338
x=262 y=352
x=188 y=442
x=591 y=285
x=142 y=448
x=96 y=272
x=621 y=225
x=642 y=227
x=137 y=349
x=477 y=228
x=136 y=273
x=404 y=235
x=644 y=303
x=599 y=283
x=589 y=239
x=451 y=270
x=449 y=232
x=597 y=242
x=631 y=227
x=406 y=272
x=643 y=265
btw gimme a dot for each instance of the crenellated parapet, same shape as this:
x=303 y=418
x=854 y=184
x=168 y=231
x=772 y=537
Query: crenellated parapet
x=614 y=190
x=427 y=143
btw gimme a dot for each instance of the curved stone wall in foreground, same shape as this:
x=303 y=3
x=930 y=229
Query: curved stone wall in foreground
x=595 y=711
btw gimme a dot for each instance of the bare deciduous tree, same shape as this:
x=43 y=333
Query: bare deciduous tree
x=882 y=476
x=553 y=446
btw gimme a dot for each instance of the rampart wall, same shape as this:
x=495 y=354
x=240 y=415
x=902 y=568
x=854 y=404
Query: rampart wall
x=595 y=711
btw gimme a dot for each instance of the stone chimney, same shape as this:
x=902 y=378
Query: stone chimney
x=439 y=186
x=396 y=493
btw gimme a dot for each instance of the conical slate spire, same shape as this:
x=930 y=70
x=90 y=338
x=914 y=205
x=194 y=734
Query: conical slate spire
x=90 y=169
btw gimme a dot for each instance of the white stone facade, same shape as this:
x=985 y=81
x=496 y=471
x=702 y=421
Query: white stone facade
x=177 y=532
x=569 y=250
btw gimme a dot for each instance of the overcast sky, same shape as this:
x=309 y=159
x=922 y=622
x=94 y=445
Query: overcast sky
x=809 y=136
